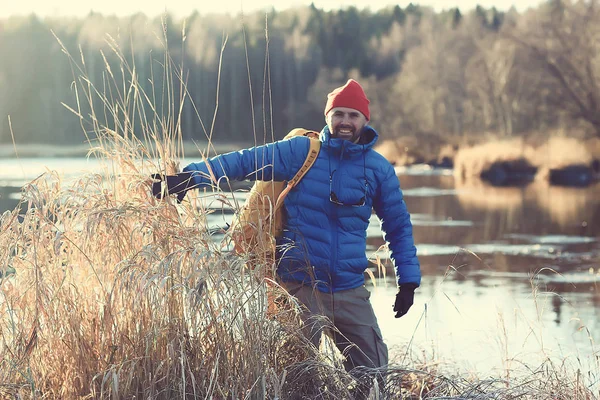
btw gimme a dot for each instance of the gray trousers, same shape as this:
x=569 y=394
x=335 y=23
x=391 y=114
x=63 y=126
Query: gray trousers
x=356 y=334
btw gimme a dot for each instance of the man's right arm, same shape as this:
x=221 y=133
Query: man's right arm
x=274 y=161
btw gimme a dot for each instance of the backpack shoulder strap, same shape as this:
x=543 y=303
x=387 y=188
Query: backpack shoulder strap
x=311 y=157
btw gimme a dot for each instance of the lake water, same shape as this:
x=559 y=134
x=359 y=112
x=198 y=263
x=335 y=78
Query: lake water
x=510 y=275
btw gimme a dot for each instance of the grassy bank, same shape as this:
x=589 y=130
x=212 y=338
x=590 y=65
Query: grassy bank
x=529 y=157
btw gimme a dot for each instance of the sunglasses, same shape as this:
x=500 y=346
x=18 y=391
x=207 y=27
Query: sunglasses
x=335 y=200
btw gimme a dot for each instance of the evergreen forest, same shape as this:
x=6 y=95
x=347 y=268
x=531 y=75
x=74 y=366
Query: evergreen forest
x=453 y=73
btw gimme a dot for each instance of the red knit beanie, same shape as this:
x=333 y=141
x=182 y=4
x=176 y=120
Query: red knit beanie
x=350 y=95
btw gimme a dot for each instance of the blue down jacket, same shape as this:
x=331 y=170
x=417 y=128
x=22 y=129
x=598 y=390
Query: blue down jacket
x=324 y=240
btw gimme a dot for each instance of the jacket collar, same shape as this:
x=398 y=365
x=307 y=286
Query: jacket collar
x=367 y=140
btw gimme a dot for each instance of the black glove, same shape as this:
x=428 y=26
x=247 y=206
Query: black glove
x=404 y=298
x=177 y=184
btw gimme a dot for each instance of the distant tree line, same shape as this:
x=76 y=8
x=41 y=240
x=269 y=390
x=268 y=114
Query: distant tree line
x=427 y=73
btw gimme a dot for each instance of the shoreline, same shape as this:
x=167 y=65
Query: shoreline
x=41 y=150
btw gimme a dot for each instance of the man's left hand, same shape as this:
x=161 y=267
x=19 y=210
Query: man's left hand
x=404 y=298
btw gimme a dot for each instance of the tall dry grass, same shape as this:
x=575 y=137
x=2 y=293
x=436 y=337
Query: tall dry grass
x=107 y=292
x=471 y=162
x=116 y=296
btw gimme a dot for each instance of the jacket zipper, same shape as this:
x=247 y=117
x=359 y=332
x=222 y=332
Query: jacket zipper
x=334 y=224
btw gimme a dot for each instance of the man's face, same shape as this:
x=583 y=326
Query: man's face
x=346 y=123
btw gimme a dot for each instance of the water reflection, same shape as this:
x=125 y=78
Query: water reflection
x=570 y=208
x=537 y=207
x=493 y=212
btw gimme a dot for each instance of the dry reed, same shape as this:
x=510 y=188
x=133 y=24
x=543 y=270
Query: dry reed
x=471 y=162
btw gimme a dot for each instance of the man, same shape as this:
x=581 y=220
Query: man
x=322 y=253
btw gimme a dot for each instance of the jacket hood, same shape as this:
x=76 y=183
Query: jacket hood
x=367 y=140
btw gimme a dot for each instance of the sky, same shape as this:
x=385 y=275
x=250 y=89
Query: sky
x=181 y=8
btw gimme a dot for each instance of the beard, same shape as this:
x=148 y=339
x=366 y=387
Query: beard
x=350 y=133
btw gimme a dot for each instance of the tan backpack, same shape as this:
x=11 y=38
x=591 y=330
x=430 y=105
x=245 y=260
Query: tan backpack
x=261 y=220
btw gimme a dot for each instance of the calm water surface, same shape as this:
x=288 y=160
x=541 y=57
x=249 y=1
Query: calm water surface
x=510 y=275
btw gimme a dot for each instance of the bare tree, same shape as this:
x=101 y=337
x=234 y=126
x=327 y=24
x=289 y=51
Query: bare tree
x=564 y=36
x=430 y=89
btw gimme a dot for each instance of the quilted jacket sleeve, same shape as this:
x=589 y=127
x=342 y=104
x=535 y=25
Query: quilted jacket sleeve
x=278 y=161
x=395 y=223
